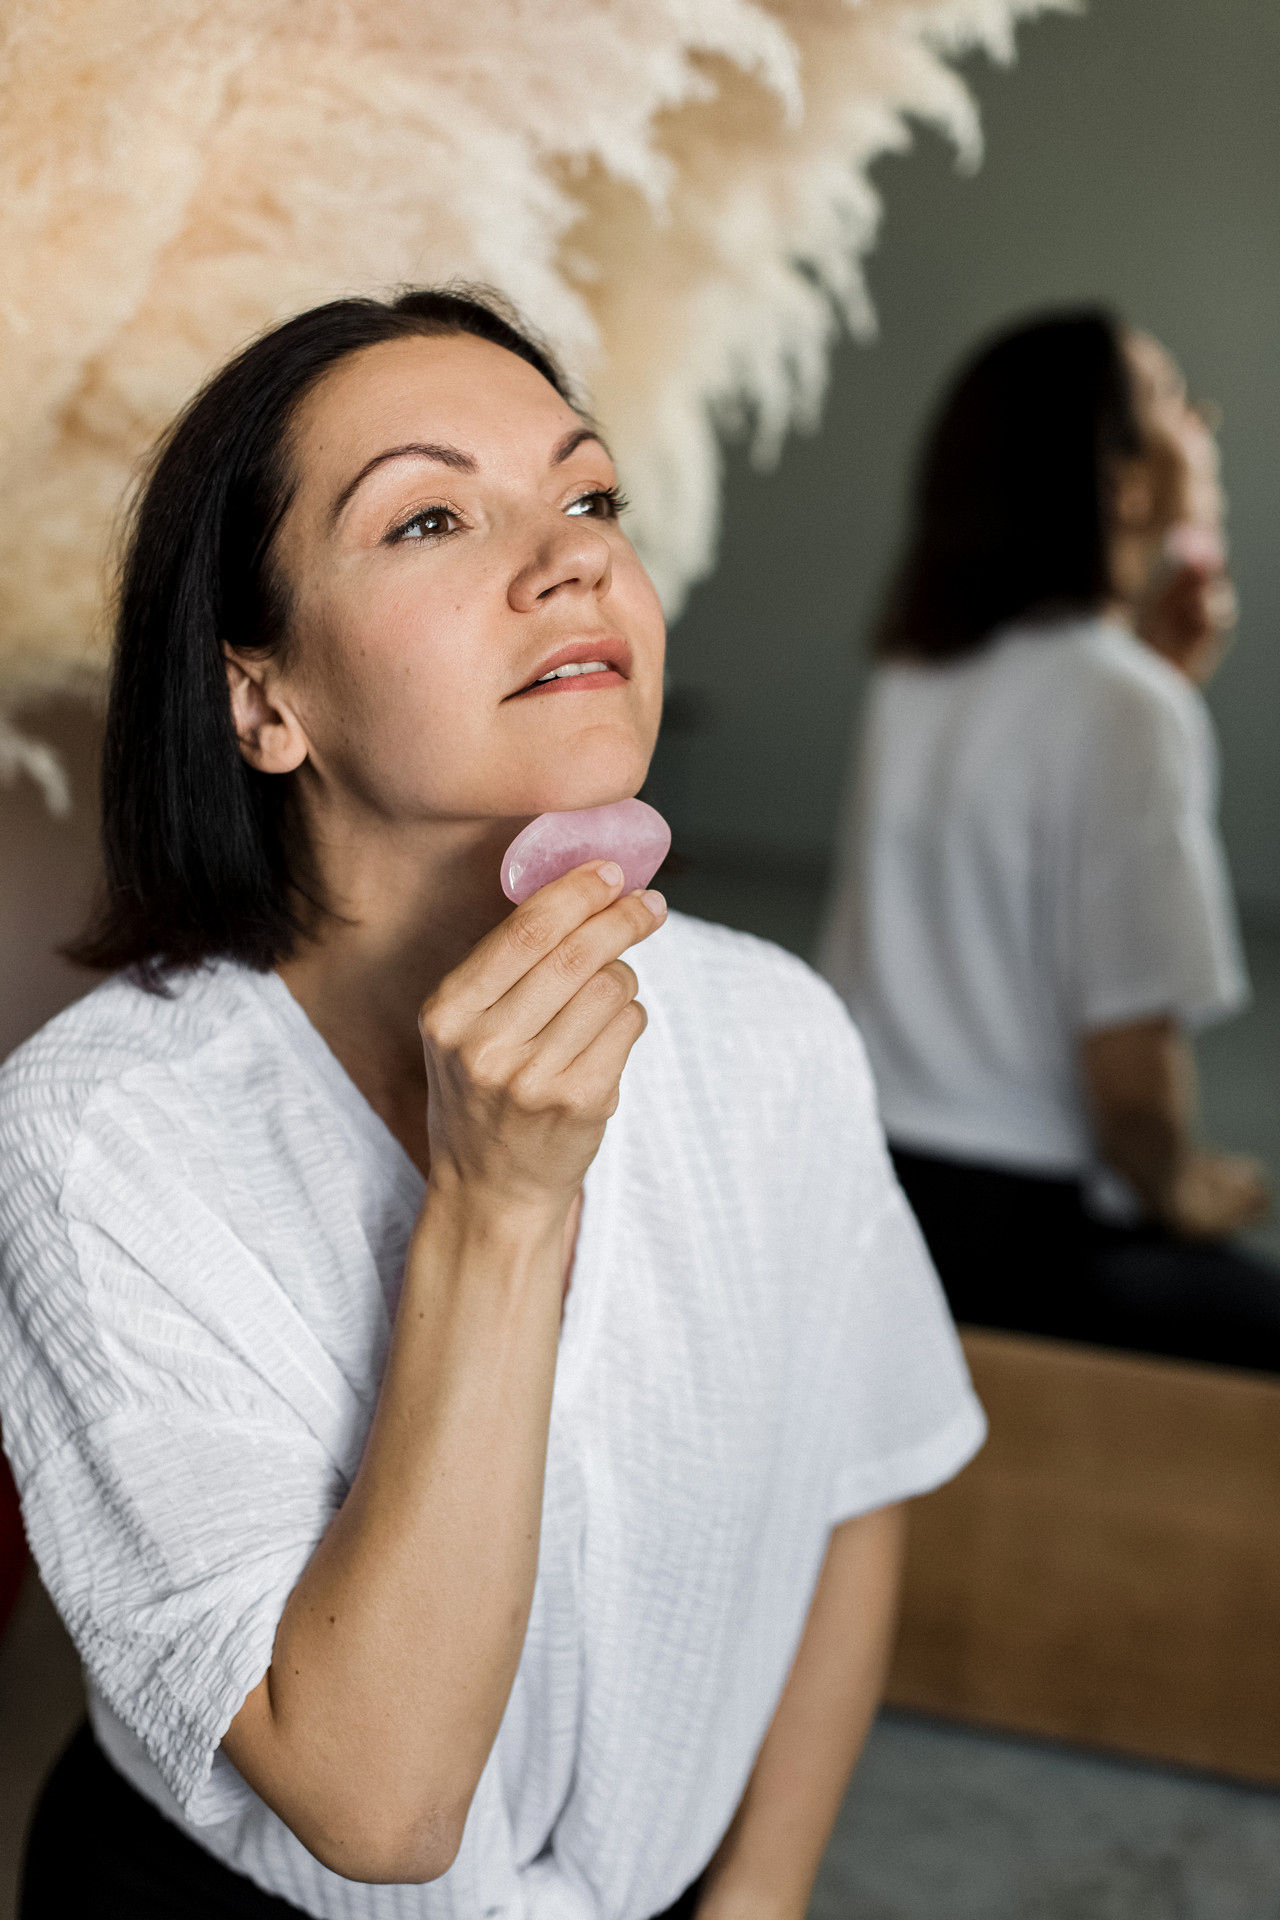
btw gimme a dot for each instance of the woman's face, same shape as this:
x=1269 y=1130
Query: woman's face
x=1168 y=556
x=470 y=634
x=1180 y=461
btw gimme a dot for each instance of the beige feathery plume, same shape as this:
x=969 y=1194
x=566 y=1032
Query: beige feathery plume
x=675 y=191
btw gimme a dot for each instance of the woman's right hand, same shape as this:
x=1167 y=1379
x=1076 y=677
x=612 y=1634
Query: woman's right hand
x=1215 y=1194
x=526 y=1040
x=1141 y=1083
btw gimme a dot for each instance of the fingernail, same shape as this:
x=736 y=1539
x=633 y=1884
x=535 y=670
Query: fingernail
x=655 y=902
x=611 y=873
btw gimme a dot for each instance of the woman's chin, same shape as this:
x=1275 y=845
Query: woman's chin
x=578 y=781
x=570 y=796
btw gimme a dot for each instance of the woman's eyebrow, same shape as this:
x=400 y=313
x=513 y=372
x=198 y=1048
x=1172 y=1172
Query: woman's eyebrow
x=444 y=456
x=454 y=457
x=572 y=441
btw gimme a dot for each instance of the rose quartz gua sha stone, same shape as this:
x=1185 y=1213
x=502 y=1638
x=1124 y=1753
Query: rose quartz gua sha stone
x=633 y=834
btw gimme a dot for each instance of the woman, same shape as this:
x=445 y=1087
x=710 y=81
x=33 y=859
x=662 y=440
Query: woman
x=437 y=1541
x=1035 y=907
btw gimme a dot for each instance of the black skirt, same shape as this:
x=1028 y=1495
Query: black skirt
x=97 y=1848
x=1021 y=1252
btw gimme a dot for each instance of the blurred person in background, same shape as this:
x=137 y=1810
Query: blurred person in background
x=1033 y=908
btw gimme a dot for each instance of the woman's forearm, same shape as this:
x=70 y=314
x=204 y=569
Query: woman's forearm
x=396 y=1652
x=1140 y=1079
x=765 y=1866
x=1141 y=1084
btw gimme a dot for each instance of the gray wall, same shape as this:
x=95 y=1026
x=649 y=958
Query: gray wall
x=1134 y=155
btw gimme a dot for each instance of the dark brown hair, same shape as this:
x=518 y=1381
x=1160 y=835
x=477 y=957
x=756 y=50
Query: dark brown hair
x=1010 y=512
x=200 y=862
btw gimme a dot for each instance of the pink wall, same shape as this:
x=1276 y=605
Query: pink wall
x=48 y=870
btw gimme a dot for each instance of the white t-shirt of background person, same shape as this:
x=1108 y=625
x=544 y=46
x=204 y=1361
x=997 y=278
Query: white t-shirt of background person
x=1032 y=853
x=202 y=1232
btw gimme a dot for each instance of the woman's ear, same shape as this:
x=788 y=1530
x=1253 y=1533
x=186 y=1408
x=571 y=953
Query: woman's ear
x=270 y=734
x=1133 y=498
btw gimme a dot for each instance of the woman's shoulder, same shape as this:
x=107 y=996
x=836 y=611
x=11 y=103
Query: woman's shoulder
x=117 y=1030
x=1026 y=661
x=744 y=1003
x=1112 y=655
x=1139 y=701
x=1102 y=663
x=702 y=960
x=752 y=1070
x=1095 y=669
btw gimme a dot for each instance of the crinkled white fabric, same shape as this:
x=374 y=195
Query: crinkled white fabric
x=202 y=1230
x=1032 y=852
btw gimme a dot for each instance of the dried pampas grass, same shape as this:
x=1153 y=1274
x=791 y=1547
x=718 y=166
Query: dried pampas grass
x=674 y=190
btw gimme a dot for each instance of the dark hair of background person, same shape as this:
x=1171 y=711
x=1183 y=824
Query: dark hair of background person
x=202 y=856
x=1011 y=508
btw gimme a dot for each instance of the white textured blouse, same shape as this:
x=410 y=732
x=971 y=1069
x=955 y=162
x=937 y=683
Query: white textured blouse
x=1032 y=853
x=202 y=1231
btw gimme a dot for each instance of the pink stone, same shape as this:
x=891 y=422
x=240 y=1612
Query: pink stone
x=633 y=834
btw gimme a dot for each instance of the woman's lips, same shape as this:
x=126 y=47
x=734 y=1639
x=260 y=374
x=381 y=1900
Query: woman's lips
x=602 y=660
x=577 y=683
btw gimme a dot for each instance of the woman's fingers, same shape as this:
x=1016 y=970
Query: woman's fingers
x=589 y=1085
x=579 y=1023
x=544 y=958
x=554 y=983
x=533 y=931
x=526 y=1040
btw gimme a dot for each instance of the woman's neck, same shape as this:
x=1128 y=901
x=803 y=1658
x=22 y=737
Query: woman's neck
x=1134 y=559
x=1118 y=612
x=406 y=906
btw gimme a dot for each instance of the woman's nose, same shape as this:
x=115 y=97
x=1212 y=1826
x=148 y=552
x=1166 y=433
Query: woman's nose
x=571 y=556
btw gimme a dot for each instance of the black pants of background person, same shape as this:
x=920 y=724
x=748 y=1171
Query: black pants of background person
x=1020 y=1252
x=97 y=1849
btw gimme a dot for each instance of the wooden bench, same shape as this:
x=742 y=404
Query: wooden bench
x=1107 y=1571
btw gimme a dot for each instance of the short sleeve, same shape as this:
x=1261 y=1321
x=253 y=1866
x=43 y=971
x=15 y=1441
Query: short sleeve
x=914 y=1420
x=905 y=1416
x=173 y=1493
x=1155 y=927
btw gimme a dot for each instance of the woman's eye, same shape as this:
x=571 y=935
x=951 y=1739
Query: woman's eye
x=427 y=525
x=602 y=503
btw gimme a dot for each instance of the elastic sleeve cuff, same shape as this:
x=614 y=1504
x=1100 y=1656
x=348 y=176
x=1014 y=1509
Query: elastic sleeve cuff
x=180 y=1707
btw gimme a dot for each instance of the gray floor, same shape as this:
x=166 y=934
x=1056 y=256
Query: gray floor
x=946 y=1824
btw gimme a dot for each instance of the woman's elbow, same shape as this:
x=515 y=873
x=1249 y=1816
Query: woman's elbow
x=366 y=1845
x=384 y=1820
